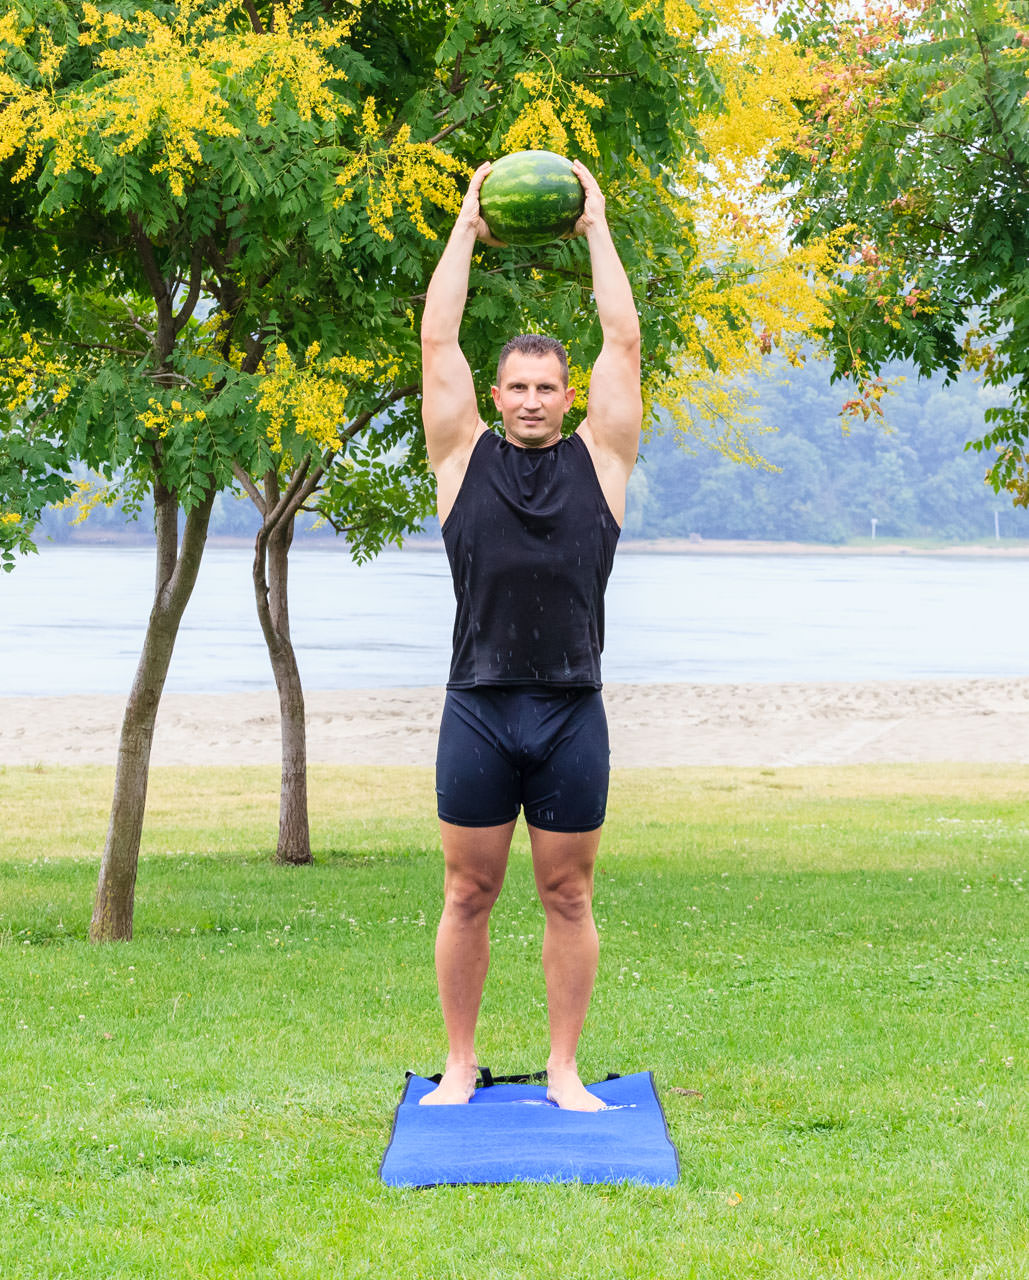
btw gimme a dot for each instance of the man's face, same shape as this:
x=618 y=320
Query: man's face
x=532 y=399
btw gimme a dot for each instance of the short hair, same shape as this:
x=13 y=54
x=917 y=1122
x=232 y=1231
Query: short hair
x=534 y=344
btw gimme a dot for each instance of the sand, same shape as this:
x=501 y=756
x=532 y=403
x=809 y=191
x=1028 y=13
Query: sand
x=651 y=725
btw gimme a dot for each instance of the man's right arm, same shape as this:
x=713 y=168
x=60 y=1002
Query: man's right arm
x=450 y=412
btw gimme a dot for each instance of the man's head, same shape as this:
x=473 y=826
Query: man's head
x=534 y=344
x=532 y=391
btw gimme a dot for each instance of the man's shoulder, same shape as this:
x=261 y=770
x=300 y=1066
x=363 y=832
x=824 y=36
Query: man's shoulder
x=451 y=470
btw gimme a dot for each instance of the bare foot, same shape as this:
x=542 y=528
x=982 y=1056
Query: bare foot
x=566 y=1090
x=456 y=1086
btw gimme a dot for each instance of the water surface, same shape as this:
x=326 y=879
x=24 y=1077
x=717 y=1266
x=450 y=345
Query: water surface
x=72 y=619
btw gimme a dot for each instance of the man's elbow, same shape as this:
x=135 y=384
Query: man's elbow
x=624 y=332
x=623 y=340
x=436 y=338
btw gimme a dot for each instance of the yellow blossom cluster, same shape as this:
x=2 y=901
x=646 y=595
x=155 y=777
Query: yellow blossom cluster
x=760 y=115
x=25 y=379
x=396 y=174
x=554 y=106
x=976 y=355
x=162 y=418
x=12 y=33
x=312 y=397
x=735 y=320
x=1015 y=465
x=168 y=79
x=678 y=17
x=579 y=378
x=756 y=292
x=10 y=517
x=87 y=497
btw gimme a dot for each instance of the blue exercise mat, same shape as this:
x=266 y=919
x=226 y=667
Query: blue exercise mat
x=511 y=1133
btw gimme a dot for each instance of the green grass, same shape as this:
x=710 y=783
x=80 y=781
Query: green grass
x=836 y=959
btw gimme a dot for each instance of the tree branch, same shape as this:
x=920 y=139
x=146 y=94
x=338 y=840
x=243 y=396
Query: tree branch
x=455 y=76
x=362 y=419
x=510 y=266
x=196 y=264
x=305 y=479
x=254 y=16
x=158 y=288
x=987 y=85
x=168 y=377
x=273 y=517
x=249 y=486
x=336 y=523
x=136 y=324
x=91 y=346
x=310 y=484
x=916 y=126
x=443 y=133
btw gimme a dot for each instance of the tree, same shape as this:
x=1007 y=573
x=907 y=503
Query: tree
x=293 y=171
x=916 y=152
x=166 y=146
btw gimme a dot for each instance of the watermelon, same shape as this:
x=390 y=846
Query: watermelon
x=530 y=197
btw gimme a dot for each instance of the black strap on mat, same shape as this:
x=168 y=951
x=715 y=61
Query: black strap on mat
x=487 y=1079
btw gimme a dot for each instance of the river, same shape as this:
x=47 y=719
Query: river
x=72 y=619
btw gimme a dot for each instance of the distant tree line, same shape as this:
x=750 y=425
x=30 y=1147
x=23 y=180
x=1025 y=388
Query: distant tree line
x=912 y=476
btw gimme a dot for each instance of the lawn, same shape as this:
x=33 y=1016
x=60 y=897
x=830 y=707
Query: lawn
x=826 y=969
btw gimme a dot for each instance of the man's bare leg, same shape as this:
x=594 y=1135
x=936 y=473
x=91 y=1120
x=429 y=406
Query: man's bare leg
x=563 y=866
x=475 y=859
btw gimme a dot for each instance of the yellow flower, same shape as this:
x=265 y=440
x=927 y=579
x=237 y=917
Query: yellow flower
x=10 y=32
x=401 y=175
x=554 y=103
x=312 y=398
x=170 y=80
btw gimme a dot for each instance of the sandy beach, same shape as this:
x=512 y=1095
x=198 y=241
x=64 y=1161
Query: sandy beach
x=651 y=725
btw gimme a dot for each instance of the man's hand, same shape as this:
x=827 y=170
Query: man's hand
x=470 y=216
x=593 y=214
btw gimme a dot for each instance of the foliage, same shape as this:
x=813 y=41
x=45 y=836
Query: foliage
x=916 y=150
x=176 y=220
x=826 y=477
x=222 y=218
x=30 y=477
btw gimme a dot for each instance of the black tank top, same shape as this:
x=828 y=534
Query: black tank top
x=530 y=541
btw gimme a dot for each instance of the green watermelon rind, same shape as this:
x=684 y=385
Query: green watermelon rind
x=531 y=197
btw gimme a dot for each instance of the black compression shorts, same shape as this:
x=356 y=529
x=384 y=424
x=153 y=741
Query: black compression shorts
x=504 y=748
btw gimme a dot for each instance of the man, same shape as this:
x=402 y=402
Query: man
x=530 y=522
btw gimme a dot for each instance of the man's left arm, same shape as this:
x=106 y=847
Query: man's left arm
x=614 y=412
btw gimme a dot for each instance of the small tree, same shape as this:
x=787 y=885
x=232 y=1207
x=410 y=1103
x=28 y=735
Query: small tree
x=167 y=144
x=915 y=151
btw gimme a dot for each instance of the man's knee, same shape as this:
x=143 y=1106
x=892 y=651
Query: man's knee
x=567 y=896
x=470 y=894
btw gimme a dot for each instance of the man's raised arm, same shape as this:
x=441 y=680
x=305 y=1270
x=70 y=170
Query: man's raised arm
x=450 y=412
x=614 y=412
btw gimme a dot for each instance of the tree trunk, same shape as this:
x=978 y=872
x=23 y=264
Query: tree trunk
x=271 y=590
x=176 y=576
